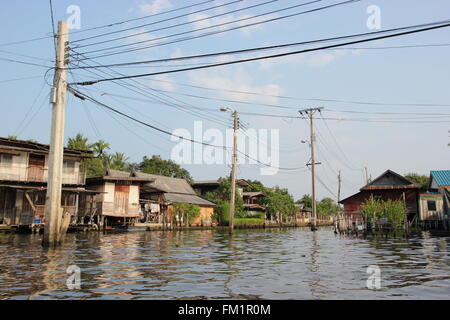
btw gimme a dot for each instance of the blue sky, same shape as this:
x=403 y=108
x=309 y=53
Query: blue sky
x=410 y=75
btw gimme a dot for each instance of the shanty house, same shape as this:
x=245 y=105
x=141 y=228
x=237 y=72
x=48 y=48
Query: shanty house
x=253 y=202
x=434 y=204
x=23 y=181
x=204 y=186
x=388 y=186
x=117 y=201
x=166 y=191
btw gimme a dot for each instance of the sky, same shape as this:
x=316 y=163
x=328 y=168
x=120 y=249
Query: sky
x=413 y=139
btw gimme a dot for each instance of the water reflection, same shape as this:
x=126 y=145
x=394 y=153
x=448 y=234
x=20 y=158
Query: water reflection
x=210 y=264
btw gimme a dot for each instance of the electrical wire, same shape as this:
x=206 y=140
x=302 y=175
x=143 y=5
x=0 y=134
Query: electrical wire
x=269 y=56
x=213 y=32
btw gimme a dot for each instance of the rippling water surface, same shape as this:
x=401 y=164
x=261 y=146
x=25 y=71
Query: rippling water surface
x=210 y=264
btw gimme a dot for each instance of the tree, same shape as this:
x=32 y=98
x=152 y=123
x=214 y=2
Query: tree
x=256 y=186
x=159 y=166
x=419 y=179
x=79 y=142
x=306 y=201
x=99 y=147
x=12 y=137
x=327 y=206
x=279 y=202
x=118 y=161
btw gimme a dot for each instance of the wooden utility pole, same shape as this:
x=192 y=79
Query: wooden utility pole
x=53 y=211
x=310 y=113
x=233 y=170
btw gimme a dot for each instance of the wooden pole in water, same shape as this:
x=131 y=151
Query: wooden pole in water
x=53 y=212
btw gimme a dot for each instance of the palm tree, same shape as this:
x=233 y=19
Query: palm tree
x=99 y=147
x=119 y=161
x=79 y=142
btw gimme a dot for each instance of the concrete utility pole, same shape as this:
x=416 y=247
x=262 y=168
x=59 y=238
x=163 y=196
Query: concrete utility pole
x=310 y=113
x=53 y=211
x=233 y=166
x=339 y=199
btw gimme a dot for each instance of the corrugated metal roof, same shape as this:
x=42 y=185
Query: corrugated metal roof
x=441 y=177
x=187 y=198
x=166 y=184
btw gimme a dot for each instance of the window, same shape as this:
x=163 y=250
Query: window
x=69 y=166
x=431 y=204
x=6 y=160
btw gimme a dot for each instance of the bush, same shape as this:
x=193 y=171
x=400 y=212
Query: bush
x=186 y=210
x=393 y=210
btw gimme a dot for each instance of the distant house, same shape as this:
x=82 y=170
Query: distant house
x=435 y=204
x=253 y=202
x=388 y=186
x=165 y=191
x=117 y=201
x=204 y=186
x=23 y=181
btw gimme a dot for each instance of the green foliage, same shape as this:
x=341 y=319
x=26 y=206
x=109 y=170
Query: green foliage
x=186 y=210
x=221 y=197
x=79 y=142
x=419 y=179
x=102 y=160
x=248 y=221
x=279 y=201
x=306 y=201
x=395 y=211
x=12 y=137
x=327 y=206
x=118 y=161
x=375 y=209
x=372 y=209
x=159 y=166
x=256 y=186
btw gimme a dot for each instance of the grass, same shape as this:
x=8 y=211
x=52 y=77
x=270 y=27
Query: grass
x=248 y=221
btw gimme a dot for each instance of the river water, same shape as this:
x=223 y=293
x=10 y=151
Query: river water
x=211 y=264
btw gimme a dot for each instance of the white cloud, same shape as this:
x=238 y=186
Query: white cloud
x=155 y=7
x=164 y=83
x=202 y=20
x=237 y=81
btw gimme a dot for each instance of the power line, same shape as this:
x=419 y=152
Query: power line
x=270 y=56
x=139 y=18
x=83 y=96
x=165 y=20
x=218 y=31
x=280 y=46
x=18 y=79
x=23 y=41
x=24 y=62
x=306 y=99
x=53 y=25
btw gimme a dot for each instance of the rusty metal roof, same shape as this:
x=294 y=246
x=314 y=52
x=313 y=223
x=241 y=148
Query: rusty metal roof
x=35 y=146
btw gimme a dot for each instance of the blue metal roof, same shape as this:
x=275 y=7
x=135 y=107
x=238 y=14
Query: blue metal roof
x=441 y=177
